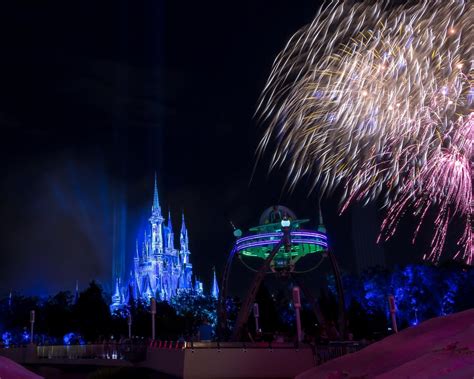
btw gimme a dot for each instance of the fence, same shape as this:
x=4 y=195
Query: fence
x=324 y=353
x=137 y=352
x=125 y=351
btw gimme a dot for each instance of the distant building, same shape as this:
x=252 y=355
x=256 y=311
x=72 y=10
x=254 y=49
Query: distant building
x=159 y=269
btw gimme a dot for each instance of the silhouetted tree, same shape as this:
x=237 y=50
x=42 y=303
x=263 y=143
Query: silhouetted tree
x=92 y=314
x=56 y=315
x=193 y=309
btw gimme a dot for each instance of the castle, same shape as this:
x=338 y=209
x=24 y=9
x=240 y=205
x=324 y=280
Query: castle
x=159 y=269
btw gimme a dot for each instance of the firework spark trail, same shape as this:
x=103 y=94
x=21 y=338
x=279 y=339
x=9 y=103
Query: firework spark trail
x=379 y=99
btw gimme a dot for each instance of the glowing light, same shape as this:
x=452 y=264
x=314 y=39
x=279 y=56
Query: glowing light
x=285 y=223
x=6 y=338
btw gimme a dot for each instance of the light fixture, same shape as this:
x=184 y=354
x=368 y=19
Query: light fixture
x=285 y=223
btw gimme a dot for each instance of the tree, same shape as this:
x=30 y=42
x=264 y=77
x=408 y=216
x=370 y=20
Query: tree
x=194 y=308
x=91 y=314
x=56 y=314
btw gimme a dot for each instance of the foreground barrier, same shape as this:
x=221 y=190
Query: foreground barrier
x=196 y=360
x=114 y=351
x=190 y=360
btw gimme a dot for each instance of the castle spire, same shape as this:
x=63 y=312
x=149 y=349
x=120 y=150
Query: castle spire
x=183 y=237
x=170 y=227
x=184 y=231
x=156 y=221
x=215 y=286
x=156 y=202
x=183 y=225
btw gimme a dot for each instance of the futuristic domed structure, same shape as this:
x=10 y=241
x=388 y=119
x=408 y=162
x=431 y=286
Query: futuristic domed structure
x=278 y=246
x=261 y=239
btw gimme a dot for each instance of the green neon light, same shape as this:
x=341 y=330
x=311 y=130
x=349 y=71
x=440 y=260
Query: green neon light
x=297 y=252
x=283 y=259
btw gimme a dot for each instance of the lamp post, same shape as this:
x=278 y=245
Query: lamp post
x=32 y=322
x=393 y=311
x=297 y=305
x=129 y=322
x=153 y=313
x=256 y=314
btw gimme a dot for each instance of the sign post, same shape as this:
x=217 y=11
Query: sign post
x=32 y=322
x=297 y=305
x=256 y=315
x=129 y=322
x=393 y=311
x=153 y=313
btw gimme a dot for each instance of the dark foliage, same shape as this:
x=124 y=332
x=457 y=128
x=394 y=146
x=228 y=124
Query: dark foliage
x=91 y=314
x=421 y=292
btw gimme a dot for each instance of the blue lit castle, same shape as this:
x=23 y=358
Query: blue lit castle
x=159 y=269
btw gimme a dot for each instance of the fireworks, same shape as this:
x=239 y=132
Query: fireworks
x=379 y=99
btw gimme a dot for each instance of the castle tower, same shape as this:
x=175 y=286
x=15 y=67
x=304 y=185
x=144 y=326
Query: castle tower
x=156 y=221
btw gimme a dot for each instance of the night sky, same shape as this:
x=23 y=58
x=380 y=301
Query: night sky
x=97 y=95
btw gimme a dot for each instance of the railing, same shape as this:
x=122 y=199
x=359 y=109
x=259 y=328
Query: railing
x=115 y=351
x=170 y=345
x=137 y=352
x=324 y=353
x=247 y=345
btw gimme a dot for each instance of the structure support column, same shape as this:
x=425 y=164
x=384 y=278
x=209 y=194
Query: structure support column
x=340 y=294
x=245 y=310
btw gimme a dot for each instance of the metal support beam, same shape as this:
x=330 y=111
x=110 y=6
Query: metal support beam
x=221 y=306
x=246 y=308
x=340 y=294
x=314 y=302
